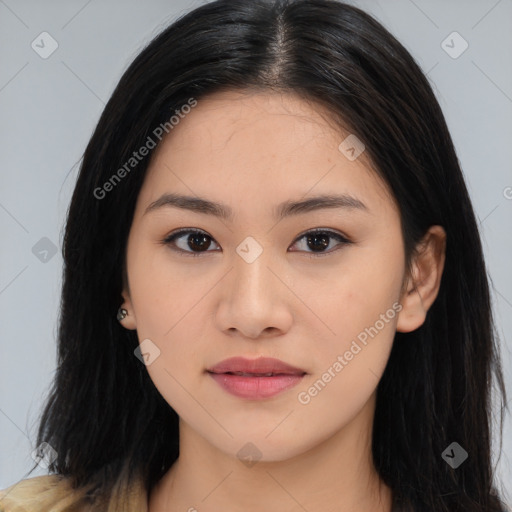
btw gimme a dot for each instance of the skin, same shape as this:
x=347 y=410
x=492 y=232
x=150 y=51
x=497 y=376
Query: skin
x=252 y=151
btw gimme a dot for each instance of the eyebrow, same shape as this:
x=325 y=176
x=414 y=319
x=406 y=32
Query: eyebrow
x=285 y=209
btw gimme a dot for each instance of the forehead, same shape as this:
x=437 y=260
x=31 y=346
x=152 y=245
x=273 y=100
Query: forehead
x=237 y=145
x=232 y=121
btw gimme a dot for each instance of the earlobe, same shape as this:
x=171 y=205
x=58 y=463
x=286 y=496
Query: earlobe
x=125 y=314
x=422 y=285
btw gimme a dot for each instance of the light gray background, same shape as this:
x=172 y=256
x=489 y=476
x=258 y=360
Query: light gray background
x=49 y=108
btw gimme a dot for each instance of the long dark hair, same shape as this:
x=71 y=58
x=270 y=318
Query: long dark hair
x=104 y=414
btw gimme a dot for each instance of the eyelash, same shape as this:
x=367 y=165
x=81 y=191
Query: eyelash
x=168 y=240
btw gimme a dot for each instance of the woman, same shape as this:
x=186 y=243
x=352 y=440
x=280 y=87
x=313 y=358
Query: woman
x=274 y=292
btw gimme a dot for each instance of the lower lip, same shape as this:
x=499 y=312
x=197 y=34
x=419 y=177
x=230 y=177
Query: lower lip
x=255 y=387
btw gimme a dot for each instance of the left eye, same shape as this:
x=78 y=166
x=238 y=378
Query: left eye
x=198 y=241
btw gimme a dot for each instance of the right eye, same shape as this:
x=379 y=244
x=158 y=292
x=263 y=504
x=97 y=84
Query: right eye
x=200 y=240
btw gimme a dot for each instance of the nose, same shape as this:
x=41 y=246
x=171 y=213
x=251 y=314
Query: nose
x=255 y=301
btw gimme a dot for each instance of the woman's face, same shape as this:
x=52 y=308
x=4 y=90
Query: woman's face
x=261 y=284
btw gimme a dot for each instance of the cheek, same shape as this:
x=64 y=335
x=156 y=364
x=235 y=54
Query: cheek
x=348 y=367
x=167 y=302
x=360 y=308
x=165 y=292
x=354 y=294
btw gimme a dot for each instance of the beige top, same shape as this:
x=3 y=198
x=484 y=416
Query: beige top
x=53 y=493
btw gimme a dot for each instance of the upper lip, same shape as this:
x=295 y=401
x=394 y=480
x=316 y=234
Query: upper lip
x=261 y=365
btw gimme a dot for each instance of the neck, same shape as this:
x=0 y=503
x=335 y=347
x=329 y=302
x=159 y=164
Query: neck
x=336 y=475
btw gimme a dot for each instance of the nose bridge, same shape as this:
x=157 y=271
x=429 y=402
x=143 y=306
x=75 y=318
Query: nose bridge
x=251 y=275
x=253 y=302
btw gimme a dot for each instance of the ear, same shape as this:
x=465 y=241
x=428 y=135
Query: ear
x=129 y=321
x=422 y=284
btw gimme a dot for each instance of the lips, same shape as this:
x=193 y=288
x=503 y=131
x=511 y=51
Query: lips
x=262 y=367
x=255 y=379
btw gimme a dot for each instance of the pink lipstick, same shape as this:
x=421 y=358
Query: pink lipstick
x=255 y=378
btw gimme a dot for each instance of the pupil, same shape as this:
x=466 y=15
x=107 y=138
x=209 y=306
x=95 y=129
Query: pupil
x=324 y=240
x=199 y=241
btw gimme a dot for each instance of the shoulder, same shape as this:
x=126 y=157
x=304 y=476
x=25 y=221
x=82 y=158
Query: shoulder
x=49 y=493
x=54 y=493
